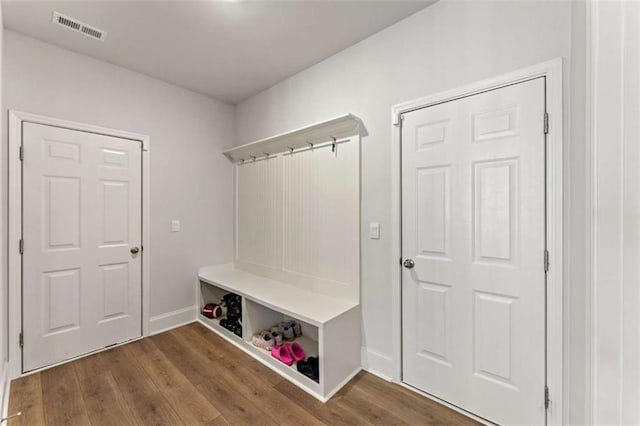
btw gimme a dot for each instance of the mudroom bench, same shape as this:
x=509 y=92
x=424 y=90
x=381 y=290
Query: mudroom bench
x=330 y=325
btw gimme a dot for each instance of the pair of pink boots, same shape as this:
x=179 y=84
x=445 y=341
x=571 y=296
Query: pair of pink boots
x=289 y=353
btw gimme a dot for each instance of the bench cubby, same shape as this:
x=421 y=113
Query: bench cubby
x=330 y=326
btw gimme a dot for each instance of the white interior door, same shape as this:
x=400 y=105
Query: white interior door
x=82 y=221
x=473 y=223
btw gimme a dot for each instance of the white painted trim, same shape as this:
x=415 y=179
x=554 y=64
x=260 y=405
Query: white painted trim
x=376 y=362
x=16 y=118
x=552 y=70
x=5 y=384
x=174 y=319
x=590 y=205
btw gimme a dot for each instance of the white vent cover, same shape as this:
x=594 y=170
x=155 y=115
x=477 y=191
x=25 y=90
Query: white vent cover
x=78 y=26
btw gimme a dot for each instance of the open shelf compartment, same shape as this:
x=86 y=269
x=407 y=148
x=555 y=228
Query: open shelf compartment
x=330 y=326
x=212 y=294
x=259 y=318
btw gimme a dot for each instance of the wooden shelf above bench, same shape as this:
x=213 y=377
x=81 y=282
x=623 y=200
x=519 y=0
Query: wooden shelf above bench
x=326 y=131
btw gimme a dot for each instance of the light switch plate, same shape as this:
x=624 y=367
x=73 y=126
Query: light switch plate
x=175 y=225
x=374 y=230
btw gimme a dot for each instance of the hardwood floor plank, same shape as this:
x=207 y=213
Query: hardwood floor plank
x=372 y=413
x=229 y=353
x=104 y=401
x=409 y=403
x=198 y=370
x=26 y=397
x=60 y=388
x=89 y=366
x=329 y=413
x=142 y=396
x=191 y=406
x=191 y=376
x=252 y=386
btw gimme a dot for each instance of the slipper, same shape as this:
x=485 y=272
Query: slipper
x=297 y=351
x=283 y=354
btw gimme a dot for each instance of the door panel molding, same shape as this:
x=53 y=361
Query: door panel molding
x=553 y=71
x=16 y=120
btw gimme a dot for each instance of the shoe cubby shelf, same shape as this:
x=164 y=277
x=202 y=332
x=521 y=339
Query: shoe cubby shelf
x=330 y=326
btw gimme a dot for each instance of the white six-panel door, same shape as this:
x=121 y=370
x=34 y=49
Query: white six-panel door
x=473 y=223
x=82 y=216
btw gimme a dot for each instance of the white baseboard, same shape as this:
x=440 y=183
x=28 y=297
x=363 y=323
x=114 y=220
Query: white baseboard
x=173 y=319
x=378 y=364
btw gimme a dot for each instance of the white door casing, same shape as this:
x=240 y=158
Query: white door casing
x=473 y=215
x=82 y=213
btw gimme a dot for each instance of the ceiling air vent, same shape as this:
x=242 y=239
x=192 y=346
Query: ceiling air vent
x=78 y=26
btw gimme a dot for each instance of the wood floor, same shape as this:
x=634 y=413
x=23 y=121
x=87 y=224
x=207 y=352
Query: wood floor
x=191 y=376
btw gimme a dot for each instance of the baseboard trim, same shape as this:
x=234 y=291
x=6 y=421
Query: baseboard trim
x=377 y=363
x=173 y=319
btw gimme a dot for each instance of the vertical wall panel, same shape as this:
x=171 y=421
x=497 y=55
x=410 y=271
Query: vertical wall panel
x=321 y=213
x=259 y=212
x=298 y=218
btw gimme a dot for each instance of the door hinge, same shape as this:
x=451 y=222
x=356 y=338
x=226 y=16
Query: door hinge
x=546 y=123
x=546 y=261
x=547 y=400
x=400 y=262
x=21 y=153
x=21 y=246
x=21 y=340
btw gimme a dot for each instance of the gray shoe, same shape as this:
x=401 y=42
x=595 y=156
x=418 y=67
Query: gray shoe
x=286 y=331
x=297 y=329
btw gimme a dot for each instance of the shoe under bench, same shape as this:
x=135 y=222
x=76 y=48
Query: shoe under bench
x=330 y=325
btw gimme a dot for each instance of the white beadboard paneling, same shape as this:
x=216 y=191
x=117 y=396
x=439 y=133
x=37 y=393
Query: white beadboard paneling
x=298 y=218
x=321 y=212
x=259 y=212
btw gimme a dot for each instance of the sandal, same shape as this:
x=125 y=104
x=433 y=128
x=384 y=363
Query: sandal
x=297 y=351
x=283 y=354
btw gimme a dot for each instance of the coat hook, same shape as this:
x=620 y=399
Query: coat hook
x=310 y=144
x=290 y=150
x=242 y=160
x=333 y=145
x=266 y=154
x=252 y=158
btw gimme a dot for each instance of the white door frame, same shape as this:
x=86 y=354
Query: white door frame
x=16 y=118
x=552 y=70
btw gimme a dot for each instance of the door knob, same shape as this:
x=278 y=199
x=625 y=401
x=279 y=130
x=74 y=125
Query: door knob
x=409 y=263
x=135 y=250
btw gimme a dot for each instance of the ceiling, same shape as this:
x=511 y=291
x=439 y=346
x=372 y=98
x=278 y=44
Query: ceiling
x=228 y=50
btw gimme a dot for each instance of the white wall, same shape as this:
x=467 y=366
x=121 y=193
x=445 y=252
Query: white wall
x=615 y=275
x=190 y=178
x=449 y=44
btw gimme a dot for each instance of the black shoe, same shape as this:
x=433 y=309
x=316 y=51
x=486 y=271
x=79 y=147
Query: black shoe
x=310 y=368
